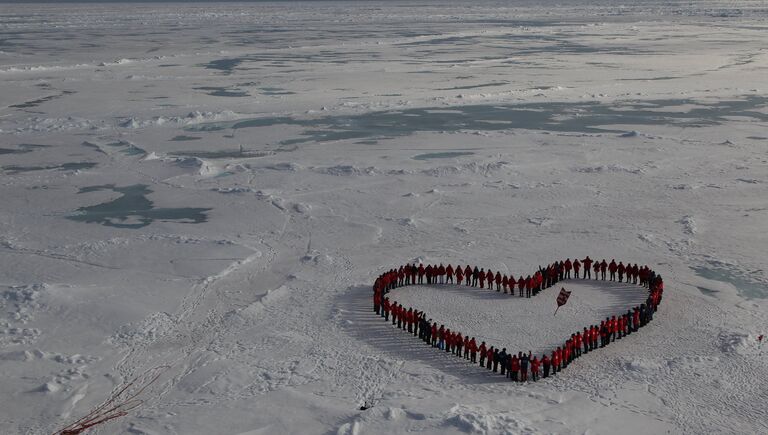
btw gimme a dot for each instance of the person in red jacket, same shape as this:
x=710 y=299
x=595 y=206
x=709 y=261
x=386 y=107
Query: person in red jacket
x=459 y=275
x=514 y=367
x=621 y=271
x=483 y=353
x=481 y=277
x=421 y=271
x=434 y=334
x=521 y=285
x=534 y=369
x=577 y=345
x=546 y=362
x=440 y=274
x=489 y=276
x=612 y=268
x=473 y=351
x=489 y=358
x=505 y=283
x=497 y=278
x=449 y=274
x=528 y=285
x=587 y=263
x=387 y=307
x=468 y=275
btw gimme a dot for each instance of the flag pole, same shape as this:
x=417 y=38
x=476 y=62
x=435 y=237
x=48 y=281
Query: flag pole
x=558 y=307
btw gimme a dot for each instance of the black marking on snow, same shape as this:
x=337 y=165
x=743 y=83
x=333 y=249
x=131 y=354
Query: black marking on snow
x=133 y=209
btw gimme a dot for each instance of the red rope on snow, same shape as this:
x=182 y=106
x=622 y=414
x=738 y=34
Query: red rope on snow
x=118 y=405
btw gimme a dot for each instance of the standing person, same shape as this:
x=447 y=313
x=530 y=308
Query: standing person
x=468 y=274
x=586 y=337
x=577 y=344
x=521 y=285
x=481 y=277
x=387 y=307
x=475 y=276
x=528 y=285
x=441 y=274
x=503 y=361
x=497 y=278
x=545 y=362
x=505 y=283
x=612 y=268
x=421 y=272
x=435 y=334
x=596 y=269
x=568 y=266
x=603 y=268
x=496 y=358
x=524 y=368
x=449 y=274
x=489 y=277
x=466 y=347
x=459 y=343
x=587 y=262
x=534 y=369
x=514 y=367
x=489 y=358
x=483 y=353
x=576 y=267
x=621 y=271
x=473 y=350
x=459 y=275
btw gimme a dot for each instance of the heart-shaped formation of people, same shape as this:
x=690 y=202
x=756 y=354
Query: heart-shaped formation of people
x=517 y=367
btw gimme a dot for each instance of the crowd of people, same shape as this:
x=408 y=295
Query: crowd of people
x=520 y=367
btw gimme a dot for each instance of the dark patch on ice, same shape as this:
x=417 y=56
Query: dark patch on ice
x=22 y=148
x=484 y=85
x=39 y=101
x=745 y=284
x=224 y=154
x=133 y=209
x=445 y=155
x=275 y=91
x=707 y=291
x=224 y=65
x=185 y=138
x=93 y=146
x=223 y=92
x=580 y=117
x=757 y=137
x=73 y=166
x=651 y=79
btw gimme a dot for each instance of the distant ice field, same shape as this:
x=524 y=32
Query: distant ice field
x=214 y=187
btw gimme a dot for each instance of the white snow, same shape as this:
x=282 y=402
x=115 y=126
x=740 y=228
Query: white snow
x=215 y=186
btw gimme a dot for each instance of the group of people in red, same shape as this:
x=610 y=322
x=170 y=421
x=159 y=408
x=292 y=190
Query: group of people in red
x=517 y=367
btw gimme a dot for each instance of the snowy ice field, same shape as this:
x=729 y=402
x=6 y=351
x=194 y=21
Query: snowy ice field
x=214 y=187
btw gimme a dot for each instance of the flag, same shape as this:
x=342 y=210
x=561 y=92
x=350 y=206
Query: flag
x=562 y=298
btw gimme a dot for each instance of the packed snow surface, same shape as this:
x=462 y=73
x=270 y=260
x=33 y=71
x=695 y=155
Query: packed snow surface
x=213 y=187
